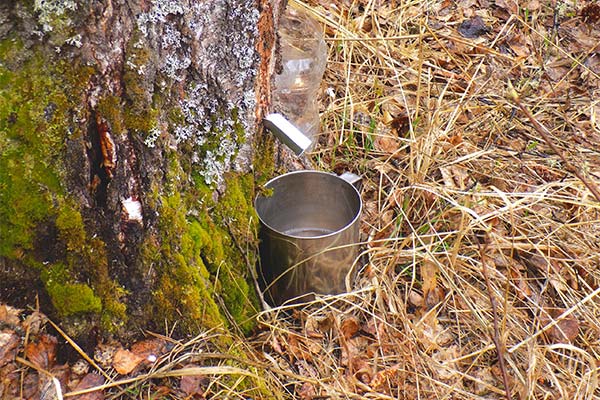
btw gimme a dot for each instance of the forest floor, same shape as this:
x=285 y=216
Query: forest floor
x=476 y=127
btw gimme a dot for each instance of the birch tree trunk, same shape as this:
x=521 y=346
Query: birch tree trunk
x=129 y=153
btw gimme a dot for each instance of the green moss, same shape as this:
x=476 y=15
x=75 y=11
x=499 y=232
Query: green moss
x=183 y=287
x=39 y=102
x=110 y=109
x=69 y=298
x=70 y=227
x=264 y=159
x=199 y=251
x=30 y=103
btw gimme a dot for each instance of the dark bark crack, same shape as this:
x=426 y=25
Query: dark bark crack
x=101 y=157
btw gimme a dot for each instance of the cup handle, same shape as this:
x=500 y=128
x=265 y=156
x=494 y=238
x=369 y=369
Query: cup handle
x=353 y=179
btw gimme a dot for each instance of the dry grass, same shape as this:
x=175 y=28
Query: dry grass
x=459 y=186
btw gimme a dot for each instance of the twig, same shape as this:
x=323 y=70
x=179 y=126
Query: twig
x=79 y=350
x=499 y=345
x=545 y=133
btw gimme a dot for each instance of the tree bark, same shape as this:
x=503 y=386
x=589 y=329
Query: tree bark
x=130 y=150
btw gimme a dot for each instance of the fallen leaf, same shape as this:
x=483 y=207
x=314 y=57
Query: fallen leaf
x=298 y=348
x=473 y=28
x=565 y=331
x=89 y=381
x=9 y=315
x=446 y=357
x=124 y=361
x=386 y=143
x=510 y=6
x=34 y=322
x=307 y=391
x=9 y=342
x=429 y=270
x=43 y=352
x=150 y=349
x=349 y=327
x=193 y=385
x=385 y=378
x=400 y=125
x=533 y=5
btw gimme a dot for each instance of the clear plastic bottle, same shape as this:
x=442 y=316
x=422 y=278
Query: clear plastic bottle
x=303 y=56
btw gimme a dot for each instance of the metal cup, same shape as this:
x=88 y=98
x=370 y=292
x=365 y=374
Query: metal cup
x=309 y=232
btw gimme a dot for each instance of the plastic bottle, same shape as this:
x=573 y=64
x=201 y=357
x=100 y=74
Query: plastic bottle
x=303 y=56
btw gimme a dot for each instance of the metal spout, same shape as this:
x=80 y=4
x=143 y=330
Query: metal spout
x=287 y=133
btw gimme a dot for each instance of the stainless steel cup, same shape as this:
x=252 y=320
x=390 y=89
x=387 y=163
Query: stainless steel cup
x=309 y=232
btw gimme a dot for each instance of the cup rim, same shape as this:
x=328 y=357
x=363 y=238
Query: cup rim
x=310 y=171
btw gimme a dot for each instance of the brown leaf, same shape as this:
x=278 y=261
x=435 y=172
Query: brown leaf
x=521 y=45
x=193 y=385
x=533 y=5
x=386 y=143
x=400 y=124
x=349 y=327
x=298 y=348
x=42 y=353
x=307 y=391
x=91 y=380
x=34 y=322
x=429 y=270
x=9 y=342
x=385 y=378
x=511 y=6
x=9 y=315
x=149 y=349
x=565 y=331
x=124 y=361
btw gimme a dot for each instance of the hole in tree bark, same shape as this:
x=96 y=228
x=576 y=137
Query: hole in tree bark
x=99 y=177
